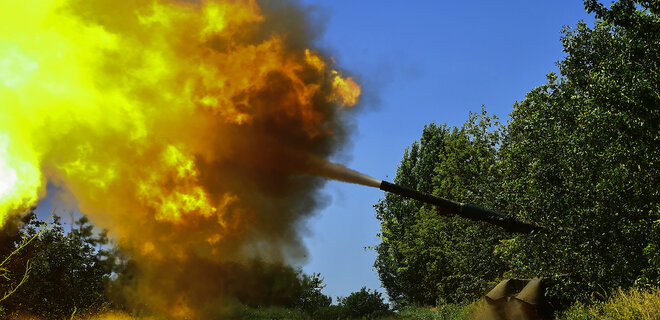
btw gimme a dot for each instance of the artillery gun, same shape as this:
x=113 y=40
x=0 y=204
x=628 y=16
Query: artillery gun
x=466 y=210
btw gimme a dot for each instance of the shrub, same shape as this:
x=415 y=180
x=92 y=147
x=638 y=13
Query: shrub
x=311 y=298
x=364 y=304
x=445 y=312
x=637 y=304
x=332 y=312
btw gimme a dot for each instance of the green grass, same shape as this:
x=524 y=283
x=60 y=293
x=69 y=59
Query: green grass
x=443 y=312
x=265 y=313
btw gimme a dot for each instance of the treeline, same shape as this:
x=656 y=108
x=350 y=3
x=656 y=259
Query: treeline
x=65 y=272
x=579 y=155
x=54 y=273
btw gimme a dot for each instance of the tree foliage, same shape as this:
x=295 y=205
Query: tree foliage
x=68 y=270
x=364 y=304
x=311 y=298
x=11 y=281
x=426 y=255
x=579 y=155
x=81 y=272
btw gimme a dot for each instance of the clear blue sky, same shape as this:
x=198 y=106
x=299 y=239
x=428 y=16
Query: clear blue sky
x=418 y=62
x=421 y=62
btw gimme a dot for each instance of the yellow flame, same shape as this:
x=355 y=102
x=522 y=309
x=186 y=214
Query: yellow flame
x=314 y=60
x=347 y=90
x=19 y=178
x=161 y=117
x=85 y=101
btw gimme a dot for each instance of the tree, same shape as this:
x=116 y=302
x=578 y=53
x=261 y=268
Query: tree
x=581 y=157
x=69 y=271
x=364 y=304
x=427 y=256
x=468 y=171
x=403 y=273
x=12 y=283
x=311 y=298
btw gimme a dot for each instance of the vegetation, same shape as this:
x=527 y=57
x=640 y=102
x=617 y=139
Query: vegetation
x=364 y=304
x=444 y=311
x=68 y=270
x=579 y=155
x=12 y=284
x=426 y=256
x=311 y=298
x=74 y=273
x=637 y=304
x=265 y=313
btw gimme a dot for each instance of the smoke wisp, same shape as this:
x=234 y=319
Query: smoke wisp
x=339 y=172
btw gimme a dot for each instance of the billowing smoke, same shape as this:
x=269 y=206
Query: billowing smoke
x=192 y=130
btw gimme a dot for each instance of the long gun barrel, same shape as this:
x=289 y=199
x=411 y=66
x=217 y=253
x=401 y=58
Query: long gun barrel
x=510 y=224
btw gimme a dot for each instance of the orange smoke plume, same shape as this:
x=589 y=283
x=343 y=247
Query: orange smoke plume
x=184 y=127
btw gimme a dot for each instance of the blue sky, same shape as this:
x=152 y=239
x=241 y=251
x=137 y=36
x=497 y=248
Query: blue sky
x=420 y=62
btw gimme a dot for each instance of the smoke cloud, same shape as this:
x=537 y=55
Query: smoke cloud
x=192 y=130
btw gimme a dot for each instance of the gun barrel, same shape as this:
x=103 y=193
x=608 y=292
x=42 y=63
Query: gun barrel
x=470 y=211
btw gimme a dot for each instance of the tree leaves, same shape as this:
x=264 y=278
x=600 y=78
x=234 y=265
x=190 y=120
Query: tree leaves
x=68 y=271
x=426 y=255
x=579 y=155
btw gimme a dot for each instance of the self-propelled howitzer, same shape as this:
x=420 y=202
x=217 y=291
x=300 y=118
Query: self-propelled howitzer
x=510 y=224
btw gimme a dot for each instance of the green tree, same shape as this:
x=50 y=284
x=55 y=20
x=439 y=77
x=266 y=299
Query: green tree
x=427 y=256
x=468 y=171
x=581 y=157
x=69 y=270
x=15 y=244
x=311 y=298
x=401 y=271
x=364 y=304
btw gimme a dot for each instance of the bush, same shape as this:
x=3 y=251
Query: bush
x=579 y=311
x=333 y=312
x=631 y=304
x=365 y=304
x=68 y=270
x=311 y=298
